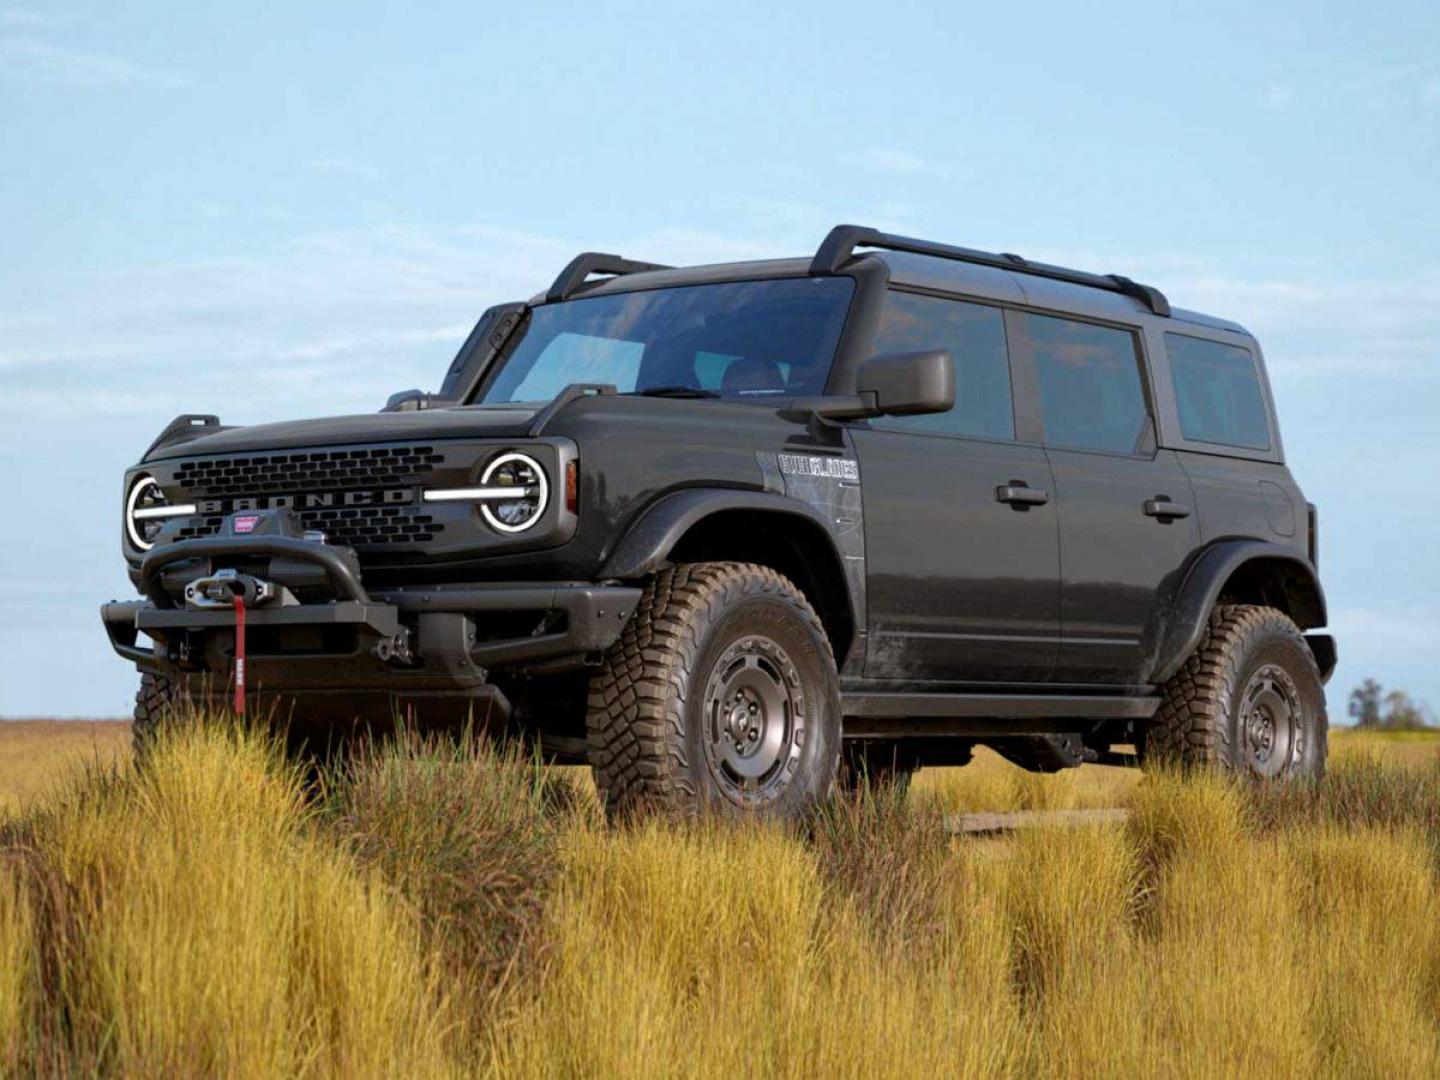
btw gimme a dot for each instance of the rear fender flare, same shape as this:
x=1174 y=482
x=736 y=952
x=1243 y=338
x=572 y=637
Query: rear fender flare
x=1202 y=586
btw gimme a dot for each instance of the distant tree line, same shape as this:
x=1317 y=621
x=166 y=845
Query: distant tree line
x=1372 y=707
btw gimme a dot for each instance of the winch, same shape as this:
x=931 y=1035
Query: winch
x=222 y=588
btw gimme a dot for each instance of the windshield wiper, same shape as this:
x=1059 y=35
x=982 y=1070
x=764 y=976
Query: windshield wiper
x=676 y=392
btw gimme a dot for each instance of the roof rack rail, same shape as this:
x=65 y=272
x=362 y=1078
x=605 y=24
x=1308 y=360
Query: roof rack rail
x=593 y=262
x=842 y=241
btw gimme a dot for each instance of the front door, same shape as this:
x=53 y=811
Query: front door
x=961 y=540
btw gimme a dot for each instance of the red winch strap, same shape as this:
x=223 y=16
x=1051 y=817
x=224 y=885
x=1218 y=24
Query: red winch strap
x=239 y=655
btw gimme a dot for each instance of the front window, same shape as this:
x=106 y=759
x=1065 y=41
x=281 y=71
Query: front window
x=748 y=340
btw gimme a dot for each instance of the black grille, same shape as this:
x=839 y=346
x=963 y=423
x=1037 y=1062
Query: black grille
x=313 y=470
x=317 y=472
x=359 y=526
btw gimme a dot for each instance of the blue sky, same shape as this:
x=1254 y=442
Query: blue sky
x=301 y=208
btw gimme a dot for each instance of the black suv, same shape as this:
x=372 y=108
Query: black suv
x=727 y=532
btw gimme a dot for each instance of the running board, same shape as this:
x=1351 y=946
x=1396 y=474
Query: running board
x=984 y=714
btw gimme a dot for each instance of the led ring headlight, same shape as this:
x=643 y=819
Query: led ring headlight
x=146 y=510
x=513 y=493
x=529 y=492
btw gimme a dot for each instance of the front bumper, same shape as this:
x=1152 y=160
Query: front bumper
x=440 y=639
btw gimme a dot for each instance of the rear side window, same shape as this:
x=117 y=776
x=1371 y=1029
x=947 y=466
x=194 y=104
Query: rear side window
x=1090 y=389
x=974 y=334
x=1217 y=391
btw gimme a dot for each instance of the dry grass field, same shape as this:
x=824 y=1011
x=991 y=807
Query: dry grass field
x=435 y=911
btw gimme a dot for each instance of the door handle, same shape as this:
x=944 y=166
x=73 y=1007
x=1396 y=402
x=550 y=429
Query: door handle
x=1162 y=507
x=1020 y=495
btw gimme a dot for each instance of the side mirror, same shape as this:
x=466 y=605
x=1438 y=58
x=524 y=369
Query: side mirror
x=410 y=401
x=908 y=384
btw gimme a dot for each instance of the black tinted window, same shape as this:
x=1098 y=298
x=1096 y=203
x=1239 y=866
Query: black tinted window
x=1217 y=391
x=1090 y=388
x=745 y=340
x=975 y=336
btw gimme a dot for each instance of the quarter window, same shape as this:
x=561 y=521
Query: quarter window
x=1217 y=392
x=974 y=334
x=1090 y=390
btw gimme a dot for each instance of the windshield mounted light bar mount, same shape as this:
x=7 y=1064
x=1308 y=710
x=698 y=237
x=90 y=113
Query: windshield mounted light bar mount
x=840 y=244
x=579 y=269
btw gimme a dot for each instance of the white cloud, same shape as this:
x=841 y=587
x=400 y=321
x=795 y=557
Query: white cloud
x=30 y=60
x=892 y=161
x=25 y=17
x=343 y=167
x=324 y=322
x=1278 y=95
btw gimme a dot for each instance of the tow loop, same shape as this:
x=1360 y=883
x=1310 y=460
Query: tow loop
x=239 y=655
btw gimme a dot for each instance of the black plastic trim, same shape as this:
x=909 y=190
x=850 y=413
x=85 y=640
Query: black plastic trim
x=648 y=541
x=1201 y=589
x=578 y=269
x=1322 y=647
x=840 y=244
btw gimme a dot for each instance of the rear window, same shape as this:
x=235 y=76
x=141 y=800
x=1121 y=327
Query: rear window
x=1090 y=389
x=1217 y=392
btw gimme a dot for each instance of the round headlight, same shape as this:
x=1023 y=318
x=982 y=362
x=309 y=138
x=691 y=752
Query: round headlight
x=518 y=513
x=142 y=524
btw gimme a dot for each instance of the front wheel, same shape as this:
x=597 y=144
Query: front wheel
x=1249 y=700
x=721 y=694
x=158 y=702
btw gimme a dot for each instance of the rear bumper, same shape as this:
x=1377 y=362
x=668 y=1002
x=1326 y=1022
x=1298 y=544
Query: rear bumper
x=1322 y=647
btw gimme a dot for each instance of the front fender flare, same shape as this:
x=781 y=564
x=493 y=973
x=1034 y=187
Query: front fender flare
x=1200 y=590
x=647 y=543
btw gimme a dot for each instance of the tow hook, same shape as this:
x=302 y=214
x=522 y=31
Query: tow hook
x=395 y=649
x=222 y=588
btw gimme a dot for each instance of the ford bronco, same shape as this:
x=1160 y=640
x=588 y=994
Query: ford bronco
x=728 y=532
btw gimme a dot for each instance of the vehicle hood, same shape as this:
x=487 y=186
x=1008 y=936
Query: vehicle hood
x=460 y=422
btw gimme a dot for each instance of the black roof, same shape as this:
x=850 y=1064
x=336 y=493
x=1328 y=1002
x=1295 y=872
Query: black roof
x=918 y=263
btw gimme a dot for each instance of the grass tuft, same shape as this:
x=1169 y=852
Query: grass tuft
x=889 y=856
x=467 y=834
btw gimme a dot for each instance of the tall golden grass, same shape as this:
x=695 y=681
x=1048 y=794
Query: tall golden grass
x=432 y=910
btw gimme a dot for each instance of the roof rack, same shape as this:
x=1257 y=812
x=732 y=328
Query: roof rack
x=593 y=262
x=842 y=241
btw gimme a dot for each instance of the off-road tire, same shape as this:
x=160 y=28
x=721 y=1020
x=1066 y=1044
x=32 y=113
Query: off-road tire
x=1202 y=719
x=878 y=764
x=650 y=733
x=158 y=702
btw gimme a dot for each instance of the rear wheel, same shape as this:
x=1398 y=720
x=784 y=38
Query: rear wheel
x=1249 y=700
x=721 y=694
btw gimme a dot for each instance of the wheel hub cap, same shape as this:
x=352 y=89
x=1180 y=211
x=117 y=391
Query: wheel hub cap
x=755 y=719
x=1270 y=722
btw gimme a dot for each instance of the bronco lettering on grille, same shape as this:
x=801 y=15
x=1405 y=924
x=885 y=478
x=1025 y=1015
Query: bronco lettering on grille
x=308 y=501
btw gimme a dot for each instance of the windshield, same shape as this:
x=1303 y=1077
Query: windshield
x=745 y=340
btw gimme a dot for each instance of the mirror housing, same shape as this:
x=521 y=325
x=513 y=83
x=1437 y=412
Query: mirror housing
x=910 y=383
x=410 y=401
x=896 y=384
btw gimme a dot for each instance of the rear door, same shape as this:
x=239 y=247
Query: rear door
x=961 y=544
x=1126 y=510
